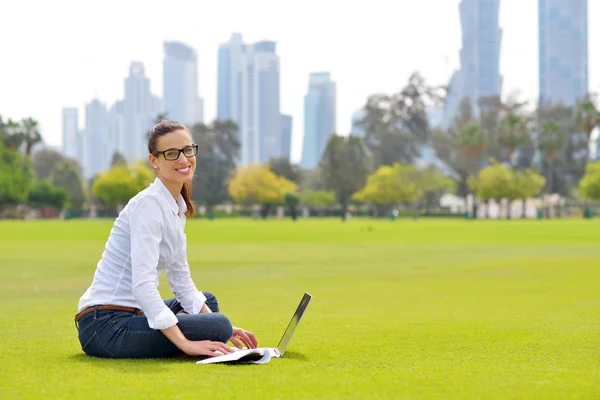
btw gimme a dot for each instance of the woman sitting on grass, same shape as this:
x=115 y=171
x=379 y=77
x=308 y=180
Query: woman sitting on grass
x=122 y=315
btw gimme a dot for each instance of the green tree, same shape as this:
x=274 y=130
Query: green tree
x=587 y=119
x=32 y=135
x=344 y=167
x=551 y=142
x=257 y=184
x=46 y=160
x=396 y=125
x=390 y=185
x=283 y=167
x=16 y=177
x=513 y=133
x=119 y=184
x=218 y=147
x=317 y=199
x=433 y=184
x=67 y=176
x=589 y=185
x=43 y=194
x=117 y=159
x=528 y=184
x=291 y=201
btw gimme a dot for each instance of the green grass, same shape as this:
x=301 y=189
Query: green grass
x=432 y=309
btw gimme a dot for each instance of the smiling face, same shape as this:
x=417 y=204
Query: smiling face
x=174 y=172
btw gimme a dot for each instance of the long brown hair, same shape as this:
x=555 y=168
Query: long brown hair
x=160 y=129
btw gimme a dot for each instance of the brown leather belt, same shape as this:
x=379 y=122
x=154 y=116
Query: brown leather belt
x=88 y=310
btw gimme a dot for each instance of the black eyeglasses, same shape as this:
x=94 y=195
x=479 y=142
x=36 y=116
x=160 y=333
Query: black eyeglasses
x=173 y=154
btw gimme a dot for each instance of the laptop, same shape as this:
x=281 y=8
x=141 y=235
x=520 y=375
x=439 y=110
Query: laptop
x=263 y=355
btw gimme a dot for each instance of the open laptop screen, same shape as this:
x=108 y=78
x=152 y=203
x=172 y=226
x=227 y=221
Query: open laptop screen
x=289 y=332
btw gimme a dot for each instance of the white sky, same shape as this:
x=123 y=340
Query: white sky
x=60 y=53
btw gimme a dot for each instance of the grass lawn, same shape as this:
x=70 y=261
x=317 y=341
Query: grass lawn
x=432 y=309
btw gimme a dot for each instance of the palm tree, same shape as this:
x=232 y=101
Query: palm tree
x=31 y=134
x=472 y=142
x=551 y=141
x=512 y=134
x=13 y=135
x=587 y=119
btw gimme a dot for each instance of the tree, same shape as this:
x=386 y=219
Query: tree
x=16 y=177
x=67 y=176
x=13 y=136
x=119 y=184
x=568 y=165
x=589 y=185
x=344 y=167
x=218 y=146
x=31 y=134
x=43 y=194
x=117 y=159
x=498 y=182
x=46 y=160
x=318 y=199
x=432 y=183
x=495 y=181
x=259 y=185
x=291 y=201
x=551 y=141
x=396 y=125
x=528 y=184
x=283 y=167
x=513 y=133
x=587 y=119
x=389 y=186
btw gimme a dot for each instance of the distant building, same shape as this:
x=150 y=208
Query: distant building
x=140 y=109
x=180 y=84
x=286 y=136
x=95 y=144
x=479 y=73
x=248 y=94
x=563 y=51
x=70 y=136
x=319 y=117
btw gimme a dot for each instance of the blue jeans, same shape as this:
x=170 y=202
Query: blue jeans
x=122 y=334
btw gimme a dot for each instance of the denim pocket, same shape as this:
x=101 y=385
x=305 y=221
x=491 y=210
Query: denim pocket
x=94 y=347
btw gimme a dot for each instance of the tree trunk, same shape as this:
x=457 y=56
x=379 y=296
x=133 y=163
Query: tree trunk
x=264 y=210
x=524 y=211
x=344 y=210
x=293 y=213
x=550 y=184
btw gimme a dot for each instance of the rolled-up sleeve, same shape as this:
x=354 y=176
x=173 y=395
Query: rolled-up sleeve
x=147 y=227
x=180 y=280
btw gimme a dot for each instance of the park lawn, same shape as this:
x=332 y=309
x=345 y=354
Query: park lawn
x=427 y=309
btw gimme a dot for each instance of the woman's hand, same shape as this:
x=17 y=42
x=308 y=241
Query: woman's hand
x=206 y=348
x=246 y=337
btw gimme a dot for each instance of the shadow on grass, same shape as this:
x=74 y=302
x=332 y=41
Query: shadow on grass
x=146 y=365
x=140 y=365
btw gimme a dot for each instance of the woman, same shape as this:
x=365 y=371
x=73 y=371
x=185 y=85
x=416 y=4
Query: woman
x=122 y=315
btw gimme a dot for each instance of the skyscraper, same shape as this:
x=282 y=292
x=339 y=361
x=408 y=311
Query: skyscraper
x=70 y=139
x=479 y=72
x=563 y=51
x=95 y=144
x=180 y=84
x=248 y=94
x=319 y=117
x=286 y=136
x=140 y=109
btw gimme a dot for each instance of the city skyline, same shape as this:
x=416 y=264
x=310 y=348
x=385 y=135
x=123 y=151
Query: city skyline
x=87 y=60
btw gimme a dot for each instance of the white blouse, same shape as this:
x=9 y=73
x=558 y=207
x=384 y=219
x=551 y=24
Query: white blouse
x=147 y=238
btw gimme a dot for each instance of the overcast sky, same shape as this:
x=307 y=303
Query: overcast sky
x=63 y=53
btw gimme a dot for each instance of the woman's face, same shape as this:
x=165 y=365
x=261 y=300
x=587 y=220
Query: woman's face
x=173 y=165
